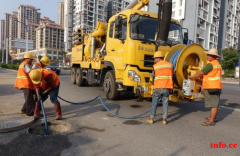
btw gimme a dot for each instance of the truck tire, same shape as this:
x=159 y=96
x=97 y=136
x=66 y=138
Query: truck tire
x=79 y=77
x=73 y=75
x=110 y=86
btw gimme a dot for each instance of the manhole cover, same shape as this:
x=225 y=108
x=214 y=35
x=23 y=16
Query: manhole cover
x=16 y=123
x=132 y=122
x=135 y=106
x=53 y=127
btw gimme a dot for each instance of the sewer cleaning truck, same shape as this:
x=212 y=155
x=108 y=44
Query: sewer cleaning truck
x=118 y=55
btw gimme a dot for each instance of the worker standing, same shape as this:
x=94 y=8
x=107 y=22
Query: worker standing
x=212 y=85
x=46 y=83
x=24 y=83
x=163 y=83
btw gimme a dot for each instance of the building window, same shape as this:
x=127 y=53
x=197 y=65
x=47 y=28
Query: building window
x=180 y=3
x=173 y=14
x=180 y=12
x=173 y=4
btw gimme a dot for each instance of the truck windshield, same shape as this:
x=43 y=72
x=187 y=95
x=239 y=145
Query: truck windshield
x=145 y=28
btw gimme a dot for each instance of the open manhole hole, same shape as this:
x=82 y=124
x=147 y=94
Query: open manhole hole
x=53 y=128
x=135 y=106
x=132 y=122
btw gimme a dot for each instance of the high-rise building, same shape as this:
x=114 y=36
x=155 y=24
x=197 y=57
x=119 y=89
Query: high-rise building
x=33 y=18
x=61 y=14
x=10 y=32
x=13 y=28
x=229 y=24
x=49 y=40
x=118 y=5
x=2 y=34
x=86 y=14
x=200 y=17
x=68 y=24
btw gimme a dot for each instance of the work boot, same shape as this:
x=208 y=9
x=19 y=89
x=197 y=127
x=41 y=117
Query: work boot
x=22 y=112
x=37 y=111
x=58 y=111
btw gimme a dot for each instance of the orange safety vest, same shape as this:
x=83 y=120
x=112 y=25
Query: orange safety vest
x=45 y=73
x=212 y=80
x=163 y=75
x=23 y=80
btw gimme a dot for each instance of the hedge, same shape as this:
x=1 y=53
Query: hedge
x=10 y=66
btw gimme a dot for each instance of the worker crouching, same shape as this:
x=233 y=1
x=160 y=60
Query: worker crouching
x=46 y=83
x=163 y=83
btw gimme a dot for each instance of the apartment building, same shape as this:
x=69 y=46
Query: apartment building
x=86 y=14
x=68 y=24
x=49 y=40
x=2 y=22
x=33 y=17
x=229 y=24
x=118 y=5
x=61 y=14
x=10 y=32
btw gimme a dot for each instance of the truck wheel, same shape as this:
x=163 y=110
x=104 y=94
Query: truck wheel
x=79 y=77
x=73 y=75
x=110 y=87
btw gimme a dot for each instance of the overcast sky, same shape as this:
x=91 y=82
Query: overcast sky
x=48 y=8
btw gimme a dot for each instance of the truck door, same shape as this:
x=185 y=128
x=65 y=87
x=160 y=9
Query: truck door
x=117 y=46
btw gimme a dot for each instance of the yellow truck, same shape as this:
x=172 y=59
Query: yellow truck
x=118 y=55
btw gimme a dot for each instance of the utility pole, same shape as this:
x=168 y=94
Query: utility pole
x=7 y=50
x=26 y=31
x=2 y=54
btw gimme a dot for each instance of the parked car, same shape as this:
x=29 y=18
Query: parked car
x=54 y=67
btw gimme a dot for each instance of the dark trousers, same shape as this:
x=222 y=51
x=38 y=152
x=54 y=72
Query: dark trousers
x=29 y=104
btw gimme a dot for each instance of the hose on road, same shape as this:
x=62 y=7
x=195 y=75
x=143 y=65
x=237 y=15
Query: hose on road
x=104 y=105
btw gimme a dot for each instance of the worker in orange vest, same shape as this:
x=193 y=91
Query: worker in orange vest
x=46 y=83
x=163 y=83
x=24 y=83
x=212 y=85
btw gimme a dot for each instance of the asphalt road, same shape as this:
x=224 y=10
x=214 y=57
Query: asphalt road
x=97 y=133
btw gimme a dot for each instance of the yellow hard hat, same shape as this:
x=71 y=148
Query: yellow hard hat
x=158 y=54
x=45 y=60
x=29 y=56
x=35 y=75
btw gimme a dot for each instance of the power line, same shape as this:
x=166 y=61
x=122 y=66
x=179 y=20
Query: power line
x=44 y=2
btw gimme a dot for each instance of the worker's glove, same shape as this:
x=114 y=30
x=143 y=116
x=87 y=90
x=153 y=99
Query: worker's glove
x=44 y=93
x=39 y=97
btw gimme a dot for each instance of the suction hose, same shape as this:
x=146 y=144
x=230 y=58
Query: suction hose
x=104 y=105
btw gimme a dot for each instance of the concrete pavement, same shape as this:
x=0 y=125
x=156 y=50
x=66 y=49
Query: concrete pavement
x=96 y=133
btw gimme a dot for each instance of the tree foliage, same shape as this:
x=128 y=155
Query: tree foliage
x=230 y=58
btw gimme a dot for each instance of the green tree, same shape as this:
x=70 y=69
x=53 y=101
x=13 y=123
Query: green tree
x=230 y=57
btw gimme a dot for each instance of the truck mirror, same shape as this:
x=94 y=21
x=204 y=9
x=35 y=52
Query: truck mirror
x=185 y=38
x=134 y=18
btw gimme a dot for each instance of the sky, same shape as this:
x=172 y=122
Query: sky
x=49 y=8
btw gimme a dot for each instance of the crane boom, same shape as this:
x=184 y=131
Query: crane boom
x=137 y=4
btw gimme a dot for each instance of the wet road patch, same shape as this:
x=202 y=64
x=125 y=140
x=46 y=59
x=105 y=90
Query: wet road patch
x=132 y=122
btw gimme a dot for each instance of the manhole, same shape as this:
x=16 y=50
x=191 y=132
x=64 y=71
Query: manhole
x=132 y=122
x=53 y=127
x=135 y=106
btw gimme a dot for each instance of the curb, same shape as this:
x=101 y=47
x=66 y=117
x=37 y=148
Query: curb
x=230 y=82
